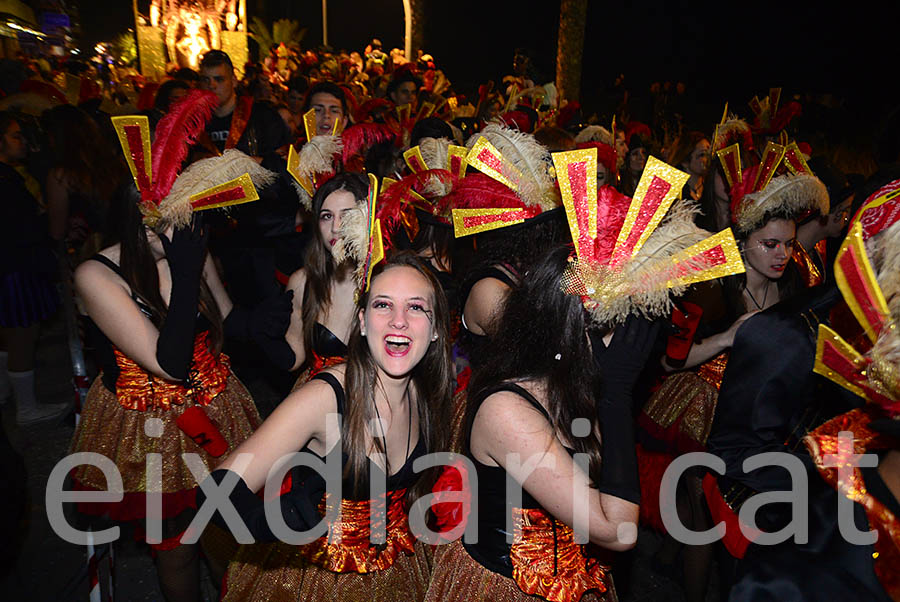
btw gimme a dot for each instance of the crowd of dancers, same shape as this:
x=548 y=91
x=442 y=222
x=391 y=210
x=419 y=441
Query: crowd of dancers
x=565 y=309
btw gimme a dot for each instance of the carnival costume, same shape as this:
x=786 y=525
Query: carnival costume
x=351 y=567
x=129 y=412
x=629 y=257
x=828 y=566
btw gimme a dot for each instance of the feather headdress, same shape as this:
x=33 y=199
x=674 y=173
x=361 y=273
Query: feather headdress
x=521 y=160
x=630 y=254
x=595 y=133
x=754 y=192
x=157 y=170
x=873 y=295
x=315 y=160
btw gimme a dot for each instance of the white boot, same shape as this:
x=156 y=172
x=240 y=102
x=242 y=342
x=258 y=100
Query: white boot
x=28 y=410
x=5 y=385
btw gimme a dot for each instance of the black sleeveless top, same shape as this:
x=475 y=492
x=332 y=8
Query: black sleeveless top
x=313 y=483
x=326 y=344
x=492 y=549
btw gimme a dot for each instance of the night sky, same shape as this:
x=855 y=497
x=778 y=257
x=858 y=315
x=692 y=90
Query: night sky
x=722 y=50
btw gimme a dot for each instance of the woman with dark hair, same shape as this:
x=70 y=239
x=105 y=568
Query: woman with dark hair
x=165 y=388
x=397 y=377
x=324 y=306
x=535 y=395
x=679 y=415
x=691 y=153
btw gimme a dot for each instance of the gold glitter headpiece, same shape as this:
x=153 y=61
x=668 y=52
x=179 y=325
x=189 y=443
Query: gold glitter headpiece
x=168 y=194
x=874 y=299
x=630 y=254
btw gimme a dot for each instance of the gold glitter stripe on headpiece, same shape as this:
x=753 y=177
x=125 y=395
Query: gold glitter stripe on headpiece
x=794 y=160
x=856 y=280
x=414 y=160
x=487 y=159
x=456 y=160
x=236 y=192
x=376 y=244
x=133 y=132
x=293 y=168
x=310 y=126
x=659 y=186
x=576 y=173
x=771 y=157
x=474 y=221
x=730 y=158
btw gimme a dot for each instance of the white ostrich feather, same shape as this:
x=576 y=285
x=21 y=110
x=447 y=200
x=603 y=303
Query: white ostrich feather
x=595 y=133
x=536 y=185
x=317 y=155
x=434 y=152
x=205 y=174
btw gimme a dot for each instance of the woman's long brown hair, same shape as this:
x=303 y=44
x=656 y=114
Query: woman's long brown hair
x=138 y=268
x=432 y=385
x=321 y=269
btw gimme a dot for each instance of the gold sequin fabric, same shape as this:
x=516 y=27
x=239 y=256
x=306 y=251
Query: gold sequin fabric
x=108 y=428
x=822 y=443
x=686 y=401
x=280 y=573
x=457 y=576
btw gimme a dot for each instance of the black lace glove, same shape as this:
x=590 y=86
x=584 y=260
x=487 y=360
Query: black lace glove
x=620 y=364
x=265 y=325
x=186 y=254
x=297 y=508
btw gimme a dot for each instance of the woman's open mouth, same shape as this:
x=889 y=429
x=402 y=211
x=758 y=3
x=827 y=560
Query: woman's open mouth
x=397 y=345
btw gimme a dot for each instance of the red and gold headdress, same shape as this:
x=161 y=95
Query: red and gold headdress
x=755 y=192
x=516 y=182
x=769 y=118
x=315 y=160
x=437 y=167
x=168 y=195
x=874 y=298
x=361 y=238
x=630 y=254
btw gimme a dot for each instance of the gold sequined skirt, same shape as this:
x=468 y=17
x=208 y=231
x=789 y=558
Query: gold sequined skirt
x=275 y=572
x=681 y=411
x=458 y=576
x=118 y=433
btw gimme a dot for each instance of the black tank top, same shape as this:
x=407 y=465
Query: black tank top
x=402 y=479
x=492 y=549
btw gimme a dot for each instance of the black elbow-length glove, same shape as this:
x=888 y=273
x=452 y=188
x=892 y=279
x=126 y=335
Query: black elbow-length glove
x=620 y=365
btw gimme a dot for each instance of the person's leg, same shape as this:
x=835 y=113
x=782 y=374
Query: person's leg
x=20 y=344
x=179 y=573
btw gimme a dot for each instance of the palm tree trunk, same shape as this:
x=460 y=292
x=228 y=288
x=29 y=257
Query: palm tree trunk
x=569 y=48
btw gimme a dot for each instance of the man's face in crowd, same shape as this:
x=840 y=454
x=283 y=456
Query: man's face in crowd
x=404 y=93
x=328 y=110
x=220 y=81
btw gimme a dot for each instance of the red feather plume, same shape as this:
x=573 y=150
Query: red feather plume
x=175 y=134
x=365 y=110
x=478 y=191
x=361 y=137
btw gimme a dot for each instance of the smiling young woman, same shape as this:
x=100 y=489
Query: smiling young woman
x=393 y=394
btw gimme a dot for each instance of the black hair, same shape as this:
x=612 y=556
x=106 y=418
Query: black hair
x=162 y=101
x=216 y=58
x=402 y=78
x=326 y=88
x=430 y=127
x=541 y=336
